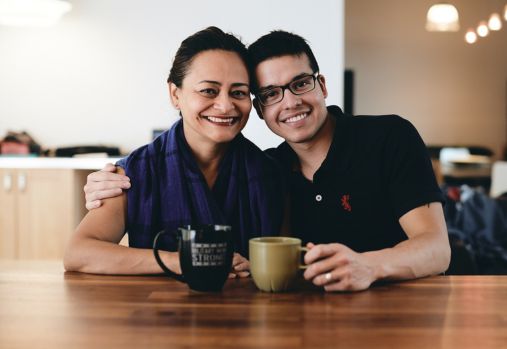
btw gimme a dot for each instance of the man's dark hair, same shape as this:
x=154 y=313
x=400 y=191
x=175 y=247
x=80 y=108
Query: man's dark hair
x=211 y=38
x=276 y=44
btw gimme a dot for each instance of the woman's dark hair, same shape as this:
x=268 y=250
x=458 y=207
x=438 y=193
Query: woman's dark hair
x=276 y=44
x=211 y=38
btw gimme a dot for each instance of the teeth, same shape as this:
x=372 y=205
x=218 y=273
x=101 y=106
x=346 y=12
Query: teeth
x=220 y=120
x=297 y=118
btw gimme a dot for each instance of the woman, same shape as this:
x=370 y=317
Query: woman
x=201 y=171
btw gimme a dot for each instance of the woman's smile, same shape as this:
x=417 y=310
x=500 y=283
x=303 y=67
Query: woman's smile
x=221 y=120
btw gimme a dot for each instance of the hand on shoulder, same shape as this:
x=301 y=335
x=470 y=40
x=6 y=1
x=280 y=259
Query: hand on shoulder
x=106 y=183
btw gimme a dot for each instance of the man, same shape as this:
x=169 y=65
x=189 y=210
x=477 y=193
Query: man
x=363 y=195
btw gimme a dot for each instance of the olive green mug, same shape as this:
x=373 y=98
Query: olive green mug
x=275 y=262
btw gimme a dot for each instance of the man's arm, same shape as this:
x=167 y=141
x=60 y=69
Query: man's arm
x=426 y=252
x=103 y=184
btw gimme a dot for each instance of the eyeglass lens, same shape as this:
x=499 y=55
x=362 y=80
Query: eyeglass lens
x=297 y=87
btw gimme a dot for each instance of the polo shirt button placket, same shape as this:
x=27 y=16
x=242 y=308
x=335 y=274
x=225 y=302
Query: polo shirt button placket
x=318 y=198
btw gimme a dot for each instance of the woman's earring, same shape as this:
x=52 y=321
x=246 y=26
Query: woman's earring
x=178 y=111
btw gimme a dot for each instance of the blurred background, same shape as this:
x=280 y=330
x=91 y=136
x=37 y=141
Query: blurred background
x=99 y=74
x=454 y=92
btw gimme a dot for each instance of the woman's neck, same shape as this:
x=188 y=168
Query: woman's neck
x=207 y=155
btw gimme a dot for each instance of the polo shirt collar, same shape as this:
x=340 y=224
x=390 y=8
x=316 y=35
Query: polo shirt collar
x=334 y=158
x=289 y=157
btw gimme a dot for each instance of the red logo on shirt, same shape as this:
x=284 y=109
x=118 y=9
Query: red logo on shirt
x=346 y=203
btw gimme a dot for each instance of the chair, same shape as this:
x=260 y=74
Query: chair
x=498 y=179
x=462 y=259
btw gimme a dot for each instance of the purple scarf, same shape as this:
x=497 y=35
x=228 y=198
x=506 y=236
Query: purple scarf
x=169 y=190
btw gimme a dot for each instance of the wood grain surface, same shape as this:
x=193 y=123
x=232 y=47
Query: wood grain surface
x=43 y=307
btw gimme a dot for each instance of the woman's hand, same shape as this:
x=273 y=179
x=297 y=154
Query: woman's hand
x=240 y=267
x=172 y=261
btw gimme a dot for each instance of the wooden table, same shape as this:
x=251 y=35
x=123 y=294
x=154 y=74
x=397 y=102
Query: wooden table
x=43 y=307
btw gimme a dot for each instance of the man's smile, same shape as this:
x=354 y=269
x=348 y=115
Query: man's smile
x=296 y=118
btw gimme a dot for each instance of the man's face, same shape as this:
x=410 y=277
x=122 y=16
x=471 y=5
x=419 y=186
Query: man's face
x=297 y=118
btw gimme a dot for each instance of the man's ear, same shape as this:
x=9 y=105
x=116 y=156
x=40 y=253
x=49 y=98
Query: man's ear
x=258 y=107
x=174 y=95
x=322 y=82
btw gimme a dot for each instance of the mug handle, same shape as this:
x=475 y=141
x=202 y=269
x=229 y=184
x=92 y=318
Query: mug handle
x=303 y=249
x=159 y=260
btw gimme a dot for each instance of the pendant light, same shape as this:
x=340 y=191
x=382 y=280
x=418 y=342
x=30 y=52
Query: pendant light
x=495 y=22
x=32 y=13
x=442 y=17
x=470 y=36
x=482 y=29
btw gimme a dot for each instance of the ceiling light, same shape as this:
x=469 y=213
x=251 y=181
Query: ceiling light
x=482 y=29
x=442 y=17
x=495 y=22
x=470 y=36
x=33 y=13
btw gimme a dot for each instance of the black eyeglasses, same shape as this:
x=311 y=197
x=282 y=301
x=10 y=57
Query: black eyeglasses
x=298 y=86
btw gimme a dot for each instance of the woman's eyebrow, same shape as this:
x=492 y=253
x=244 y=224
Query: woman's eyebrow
x=210 y=82
x=235 y=84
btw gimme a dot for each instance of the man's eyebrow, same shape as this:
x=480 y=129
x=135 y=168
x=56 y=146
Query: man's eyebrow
x=264 y=88
x=299 y=76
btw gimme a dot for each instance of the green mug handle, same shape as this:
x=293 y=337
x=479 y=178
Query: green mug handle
x=303 y=249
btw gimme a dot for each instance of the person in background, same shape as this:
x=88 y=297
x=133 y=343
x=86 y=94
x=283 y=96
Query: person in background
x=362 y=192
x=201 y=171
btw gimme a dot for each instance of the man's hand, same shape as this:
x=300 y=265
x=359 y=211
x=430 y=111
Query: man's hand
x=104 y=184
x=425 y=252
x=338 y=268
x=240 y=267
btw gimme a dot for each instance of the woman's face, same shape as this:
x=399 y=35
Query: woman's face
x=214 y=97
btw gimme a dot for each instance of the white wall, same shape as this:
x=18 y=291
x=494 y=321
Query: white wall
x=99 y=75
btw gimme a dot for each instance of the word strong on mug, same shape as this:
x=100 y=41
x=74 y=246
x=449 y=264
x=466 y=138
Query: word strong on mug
x=212 y=255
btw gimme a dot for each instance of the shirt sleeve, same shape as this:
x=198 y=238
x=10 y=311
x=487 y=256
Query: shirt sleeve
x=122 y=162
x=410 y=177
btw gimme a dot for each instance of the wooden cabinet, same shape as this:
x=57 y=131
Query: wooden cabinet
x=39 y=209
x=8 y=213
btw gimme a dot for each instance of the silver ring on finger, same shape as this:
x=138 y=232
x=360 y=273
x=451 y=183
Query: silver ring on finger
x=328 y=276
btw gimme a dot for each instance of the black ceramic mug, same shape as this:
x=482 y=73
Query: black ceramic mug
x=205 y=256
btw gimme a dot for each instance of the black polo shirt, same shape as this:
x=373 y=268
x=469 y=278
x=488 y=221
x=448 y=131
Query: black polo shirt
x=377 y=169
